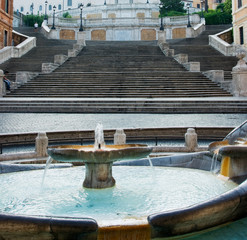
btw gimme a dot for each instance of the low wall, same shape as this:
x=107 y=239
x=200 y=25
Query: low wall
x=19 y=50
x=211 y=133
x=222 y=46
x=123 y=29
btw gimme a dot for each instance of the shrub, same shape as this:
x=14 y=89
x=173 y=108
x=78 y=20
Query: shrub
x=29 y=20
x=67 y=15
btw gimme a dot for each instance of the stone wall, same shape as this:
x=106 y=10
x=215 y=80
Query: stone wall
x=67 y=34
x=227 y=37
x=98 y=35
x=148 y=34
x=179 y=33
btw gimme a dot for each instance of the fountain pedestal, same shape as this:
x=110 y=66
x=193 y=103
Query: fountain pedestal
x=98 y=175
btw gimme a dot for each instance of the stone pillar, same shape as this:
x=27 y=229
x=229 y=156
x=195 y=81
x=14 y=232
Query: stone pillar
x=81 y=38
x=239 y=77
x=41 y=144
x=98 y=175
x=191 y=139
x=119 y=137
x=2 y=84
x=161 y=37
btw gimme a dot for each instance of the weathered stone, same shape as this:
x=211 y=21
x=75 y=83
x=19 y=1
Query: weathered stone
x=191 y=139
x=41 y=144
x=119 y=137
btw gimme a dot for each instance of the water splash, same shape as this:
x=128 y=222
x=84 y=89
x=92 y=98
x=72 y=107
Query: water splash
x=214 y=166
x=48 y=163
x=150 y=161
x=99 y=142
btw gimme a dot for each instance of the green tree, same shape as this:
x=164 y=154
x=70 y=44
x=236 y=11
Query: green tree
x=171 y=5
x=29 y=20
x=228 y=6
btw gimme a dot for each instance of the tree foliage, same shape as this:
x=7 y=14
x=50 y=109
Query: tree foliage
x=29 y=20
x=67 y=15
x=228 y=6
x=171 y=5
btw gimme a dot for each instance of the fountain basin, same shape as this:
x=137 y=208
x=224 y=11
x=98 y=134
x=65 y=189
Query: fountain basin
x=98 y=160
x=108 y=154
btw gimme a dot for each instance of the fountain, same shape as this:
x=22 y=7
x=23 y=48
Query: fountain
x=76 y=209
x=99 y=158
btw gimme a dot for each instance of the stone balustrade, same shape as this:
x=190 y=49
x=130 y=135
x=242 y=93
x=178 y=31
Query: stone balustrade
x=225 y=48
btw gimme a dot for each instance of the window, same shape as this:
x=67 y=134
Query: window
x=241 y=35
x=50 y=7
x=6 y=6
x=59 y=6
x=69 y=3
x=40 y=7
x=239 y=3
x=22 y=9
x=5 y=38
x=198 y=5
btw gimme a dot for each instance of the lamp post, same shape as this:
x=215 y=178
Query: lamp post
x=161 y=18
x=105 y=2
x=46 y=18
x=53 y=24
x=81 y=8
x=188 y=8
x=202 y=9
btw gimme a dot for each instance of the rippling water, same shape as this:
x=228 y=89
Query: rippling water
x=139 y=192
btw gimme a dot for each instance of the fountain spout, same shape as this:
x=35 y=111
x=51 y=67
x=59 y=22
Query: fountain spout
x=99 y=158
x=99 y=142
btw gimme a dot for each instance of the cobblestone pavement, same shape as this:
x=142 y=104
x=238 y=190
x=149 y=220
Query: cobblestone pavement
x=29 y=122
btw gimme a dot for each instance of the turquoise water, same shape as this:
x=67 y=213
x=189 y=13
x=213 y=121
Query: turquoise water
x=139 y=192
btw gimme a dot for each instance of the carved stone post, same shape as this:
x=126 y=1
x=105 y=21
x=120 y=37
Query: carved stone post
x=161 y=37
x=191 y=139
x=239 y=77
x=81 y=38
x=41 y=144
x=119 y=137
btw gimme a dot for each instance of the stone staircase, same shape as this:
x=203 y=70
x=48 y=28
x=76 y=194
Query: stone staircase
x=43 y=53
x=198 y=50
x=120 y=70
x=122 y=77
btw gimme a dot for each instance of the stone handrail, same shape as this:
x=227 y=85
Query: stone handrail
x=17 y=51
x=5 y=54
x=196 y=30
x=225 y=48
x=24 y=47
x=127 y=21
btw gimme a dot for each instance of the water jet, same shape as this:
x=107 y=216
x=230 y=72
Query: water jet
x=226 y=205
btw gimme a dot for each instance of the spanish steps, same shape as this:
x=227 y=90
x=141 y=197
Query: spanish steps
x=199 y=50
x=115 y=77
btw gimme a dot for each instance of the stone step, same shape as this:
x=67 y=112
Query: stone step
x=130 y=106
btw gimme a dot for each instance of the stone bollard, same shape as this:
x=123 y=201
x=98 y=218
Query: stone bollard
x=191 y=139
x=119 y=137
x=239 y=77
x=81 y=38
x=161 y=37
x=41 y=144
x=2 y=84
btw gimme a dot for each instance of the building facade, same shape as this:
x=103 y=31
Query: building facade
x=239 y=14
x=6 y=20
x=42 y=6
x=211 y=4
